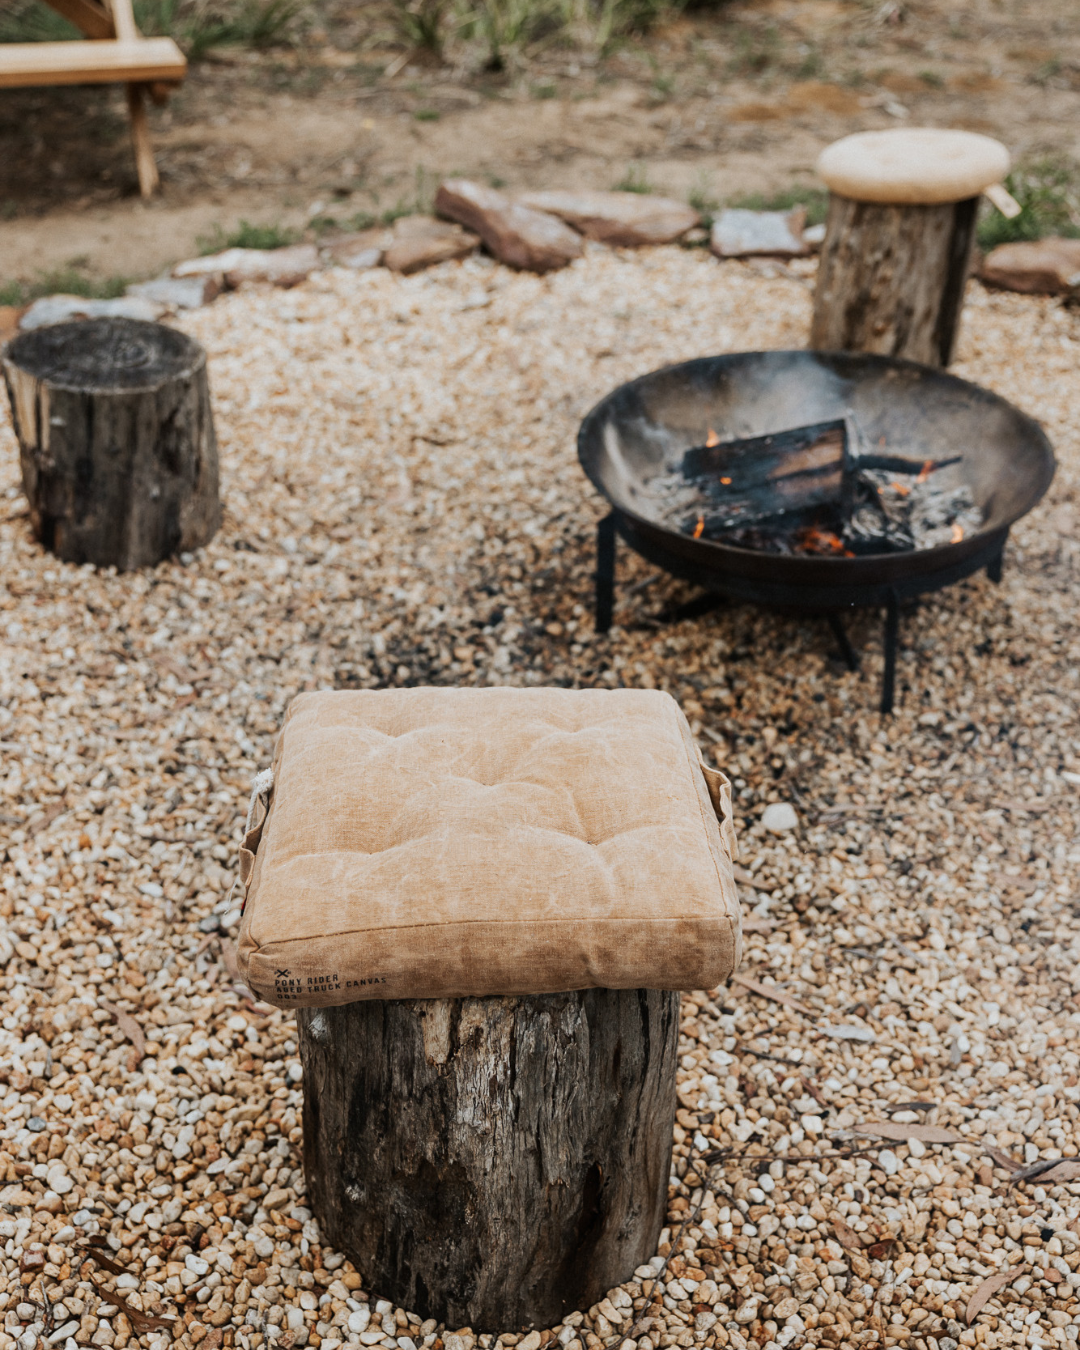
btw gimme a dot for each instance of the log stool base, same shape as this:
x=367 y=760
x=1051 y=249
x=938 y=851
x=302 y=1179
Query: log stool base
x=492 y=1162
x=119 y=458
x=891 y=278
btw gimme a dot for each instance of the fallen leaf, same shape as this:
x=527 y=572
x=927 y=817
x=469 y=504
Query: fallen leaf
x=745 y=878
x=878 y=1251
x=228 y=958
x=1003 y=1159
x=44 y=821
x=988 y=1289
x=846 y=1033
x=847 y=1237
x=1050 y=1169
x=911 y=1106
x=770 y=991
x=105 y=1262
x=901 y=1132
x=128 y=1026
x=140 y=1320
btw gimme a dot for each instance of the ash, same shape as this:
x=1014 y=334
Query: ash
x=889 y=515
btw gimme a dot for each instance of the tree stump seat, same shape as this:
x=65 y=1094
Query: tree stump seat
x=116 y=439
x=898 y=240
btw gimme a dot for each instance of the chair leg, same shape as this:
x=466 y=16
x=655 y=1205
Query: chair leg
x=140 y=139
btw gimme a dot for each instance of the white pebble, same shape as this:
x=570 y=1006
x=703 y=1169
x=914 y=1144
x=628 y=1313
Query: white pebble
x=779 y=817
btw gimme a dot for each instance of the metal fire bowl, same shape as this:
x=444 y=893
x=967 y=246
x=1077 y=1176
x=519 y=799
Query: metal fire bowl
x=643 y=428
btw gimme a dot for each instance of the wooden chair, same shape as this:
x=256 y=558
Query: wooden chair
x=116 y=54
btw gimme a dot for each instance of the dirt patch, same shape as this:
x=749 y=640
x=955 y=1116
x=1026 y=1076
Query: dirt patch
x=714 y=106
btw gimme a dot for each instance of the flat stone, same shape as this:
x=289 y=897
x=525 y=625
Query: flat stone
x=532 y=241
x=274 y=266
x=177 y=293
x=779 y=817
x=623 y=219
x=360 y=251
x=738 y=233
x=52 y=309
x=1042 y=267
x=423 y=241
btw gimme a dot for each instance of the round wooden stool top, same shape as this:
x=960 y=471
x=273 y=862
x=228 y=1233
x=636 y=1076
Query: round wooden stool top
x=913 y=165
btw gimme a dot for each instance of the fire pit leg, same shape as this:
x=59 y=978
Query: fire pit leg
x=847 y=651
x=892 y=640
x=605 y=572
x=994 y=566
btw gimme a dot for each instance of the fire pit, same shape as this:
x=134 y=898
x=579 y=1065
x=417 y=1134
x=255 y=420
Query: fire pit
x=633 y=444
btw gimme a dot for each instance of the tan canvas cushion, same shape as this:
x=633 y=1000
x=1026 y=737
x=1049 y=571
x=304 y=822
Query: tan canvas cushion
x=913 y=165
x=434 y=843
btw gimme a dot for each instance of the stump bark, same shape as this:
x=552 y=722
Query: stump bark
x=891 y=278
x=492 y=1162
x=119 y=457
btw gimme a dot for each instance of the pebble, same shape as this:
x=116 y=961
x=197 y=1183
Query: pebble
x=779 y=817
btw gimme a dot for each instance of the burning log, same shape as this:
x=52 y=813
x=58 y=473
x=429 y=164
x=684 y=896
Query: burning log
x=815 y=489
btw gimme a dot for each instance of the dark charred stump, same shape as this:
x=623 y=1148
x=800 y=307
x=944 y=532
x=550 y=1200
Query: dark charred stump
x=891 y=278
x=119 y=457
x=492 y=1162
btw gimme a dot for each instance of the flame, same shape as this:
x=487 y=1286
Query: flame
x=699 y=528
x=712 y=438
x=925 y=472
x=957 y=533
x=814 y=540
x=726 y=482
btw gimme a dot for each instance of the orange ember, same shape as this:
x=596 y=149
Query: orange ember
x=957 y=533
x=712 y=438
x=813 y=540
x=726 y=481
x=699 y=528
x=899 y=487
x=925 y=472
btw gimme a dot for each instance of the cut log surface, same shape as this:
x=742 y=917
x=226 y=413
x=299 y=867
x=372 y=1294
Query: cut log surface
x=891 y=278
x=119 y=457
x=492 y=1162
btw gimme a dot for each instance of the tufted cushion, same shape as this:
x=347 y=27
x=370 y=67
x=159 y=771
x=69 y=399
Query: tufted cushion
x=433 y=843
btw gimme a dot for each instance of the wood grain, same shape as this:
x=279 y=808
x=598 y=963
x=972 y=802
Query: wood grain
x=891 y=278
x=492 y=1162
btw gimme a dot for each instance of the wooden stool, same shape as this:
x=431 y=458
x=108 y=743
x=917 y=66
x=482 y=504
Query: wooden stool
x=898 y=240
x=119 y=458
x=482 y=903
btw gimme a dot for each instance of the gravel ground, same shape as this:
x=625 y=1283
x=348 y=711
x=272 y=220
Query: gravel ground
x=404 y=506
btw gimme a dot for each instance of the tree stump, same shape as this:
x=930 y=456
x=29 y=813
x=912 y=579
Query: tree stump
x=492 y=1162
x=899 y=238
x=891 y=278
x=119 y=457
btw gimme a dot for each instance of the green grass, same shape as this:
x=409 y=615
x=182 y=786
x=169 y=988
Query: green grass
x=816 y=201
x=635 y=179
x=247 y=235
x=1049 y=195
x=932 y=79
x=68 y=280
x=197 y=25
x=427 y=115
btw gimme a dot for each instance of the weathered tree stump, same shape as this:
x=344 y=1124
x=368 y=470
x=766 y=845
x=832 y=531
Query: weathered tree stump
x=119 y=457
x=899 y=238
x=492 y=1162
x=892 y=277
